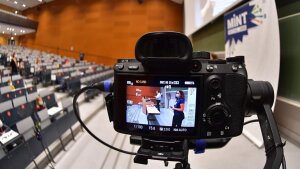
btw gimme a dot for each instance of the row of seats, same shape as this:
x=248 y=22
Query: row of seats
x=33 y=146
x=93 y=79
x=5 y=87
x=57 y=75
x=73 y=84
x=6 y=78
x=18 y=108
x=33 y=62
x=18 y=105
x=4 y=71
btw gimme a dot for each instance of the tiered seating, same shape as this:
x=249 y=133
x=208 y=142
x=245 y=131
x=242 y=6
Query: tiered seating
x=18 y=101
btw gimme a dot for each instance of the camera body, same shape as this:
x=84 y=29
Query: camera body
x=211 y=93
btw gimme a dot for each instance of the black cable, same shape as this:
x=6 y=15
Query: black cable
x=37 y=129
x=101 y=87
x=251 y=121
x=47 y=155
x=76 y=111
x=283 y=162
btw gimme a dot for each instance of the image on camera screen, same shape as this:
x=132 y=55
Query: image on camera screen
x=161 y=106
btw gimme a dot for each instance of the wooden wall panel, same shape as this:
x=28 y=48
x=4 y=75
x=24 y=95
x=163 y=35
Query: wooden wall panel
x=148 y=92
x=103 y=29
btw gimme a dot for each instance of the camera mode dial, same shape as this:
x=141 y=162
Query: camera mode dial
x=217 y=115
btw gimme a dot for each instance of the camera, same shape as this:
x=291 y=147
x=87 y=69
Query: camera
x=171 y=99
x=169 y=91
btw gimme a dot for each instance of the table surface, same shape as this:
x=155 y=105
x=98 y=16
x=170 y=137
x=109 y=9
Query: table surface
x=54 y=110
x=152 y=109
x=6 y=137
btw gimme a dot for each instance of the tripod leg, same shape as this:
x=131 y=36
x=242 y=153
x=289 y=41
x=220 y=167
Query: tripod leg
x=184 y=164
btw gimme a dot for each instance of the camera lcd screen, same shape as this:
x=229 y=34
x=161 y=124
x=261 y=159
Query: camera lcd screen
x=161 y=105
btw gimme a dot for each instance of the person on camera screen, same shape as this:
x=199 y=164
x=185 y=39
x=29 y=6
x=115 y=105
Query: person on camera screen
x=178 y=109
x=158 y=98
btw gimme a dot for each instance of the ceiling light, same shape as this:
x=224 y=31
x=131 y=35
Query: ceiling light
x=13 y=29
x=16 y=12
x=7 y=29
x=15 y=34
x=24 y=5
x=3 y=32
x=12 y=38
x=40 y=0
x=15 y=2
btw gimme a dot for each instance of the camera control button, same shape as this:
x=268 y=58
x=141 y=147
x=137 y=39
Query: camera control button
x=234 y=68
x=208 y=134
x=119 y=66
x=209 y=68
x=133 y=67
x=226 y=127
x=212 y=98
x=217 y=116
x=215 y=84
x=196 y=66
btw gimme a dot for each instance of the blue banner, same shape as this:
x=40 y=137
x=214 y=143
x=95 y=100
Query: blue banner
x=240 y=20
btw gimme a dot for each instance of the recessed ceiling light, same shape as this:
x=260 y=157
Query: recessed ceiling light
x=7 y=29
x=15 y=34
x=3 y=32
x=24 y=5
x=12 y=38
x=16 y=12
x=15 y=2
x=13 y=29
x=40 y=0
